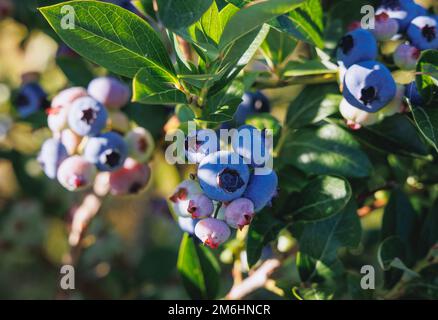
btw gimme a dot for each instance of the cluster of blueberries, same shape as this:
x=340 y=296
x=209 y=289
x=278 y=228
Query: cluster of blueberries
x=369 y=89
x=226 y=191
x=91 y=134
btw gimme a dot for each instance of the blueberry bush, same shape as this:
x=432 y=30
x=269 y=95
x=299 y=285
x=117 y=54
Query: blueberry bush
x=342 y=93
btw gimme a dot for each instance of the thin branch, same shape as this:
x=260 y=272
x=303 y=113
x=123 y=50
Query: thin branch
x=258 y=279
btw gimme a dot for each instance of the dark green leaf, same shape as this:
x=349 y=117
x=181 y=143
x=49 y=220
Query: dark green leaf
x=198 y=268
x=313 y=104
x=325 y=150
x=306 y=68
x=263 y=229
x=426 y=120
x=391 y=248
x=154 y=88
x=395 y=134
x=111 y=37
x=320 y=241
x=176 y=14
x=427 y=77
x=305 y=23
x=323 y=197
x=253 y=17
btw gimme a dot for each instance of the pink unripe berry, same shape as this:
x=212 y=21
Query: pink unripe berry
x=212 y=232
x=132 y=178
x=140 y=144
x=111 y=92
x=75 y=173
x=200 y=206
x=406 y=56
x=385 y=27
x=239 y=213
x=184 y=192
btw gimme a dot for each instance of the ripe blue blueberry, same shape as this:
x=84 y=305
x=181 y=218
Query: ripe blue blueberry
x=251 y=144
x=406 y=56
x=30 y=98
x=110 y=92
x=261 y=189
x=239 y=213
x=60 y=106
x=87 y=117
x=223 y=176
x=369 y=86
x=413 y=95
x=199 y=144
x=107 y=151
x=252 y=103
x=357 y=45
x=423 y=32
x=212 y=232
x=356 y=118
x=401 y=10
x=52 y=153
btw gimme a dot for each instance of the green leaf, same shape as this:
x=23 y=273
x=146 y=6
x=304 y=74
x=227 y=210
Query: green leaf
x=155 y=88
x=427 y=77
x=390 y=248
x=263 y=229
x=253 y=17
x=76 y=70
x=278 y=46
x=176 y=14
x=211 y=24
x=323 y=197
x=395 y=134
x=325 y=150
x=320 y=241
x=426 y=120
x=199 y=269
x=306 y=68
x=222 y=106
x=313 y=104
x=305 y=23
x=110 y=36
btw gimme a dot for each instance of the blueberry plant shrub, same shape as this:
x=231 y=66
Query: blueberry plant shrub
x=350 y=209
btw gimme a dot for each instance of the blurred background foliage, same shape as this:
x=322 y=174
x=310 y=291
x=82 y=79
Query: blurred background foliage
x=130 y=250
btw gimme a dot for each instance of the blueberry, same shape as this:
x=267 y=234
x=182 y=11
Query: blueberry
x=252 y=103
x=199 y=144
x=401 y=10
x=212 y=232
x=52 y=153
x=187 y=224
x=111 y=92
x=140 y=144
x=107 y=151
x=223 y=176
x=58 y=111
x=75 y=173
x=118 y=121
x=356 y=118
x=251 y=144
x=239 y=213
x=184 y=192
x=369 y=86
x=406 y=56
x=132 y=178
x=385 y=27
x=30 y=99
x=87 y=117
x=423 y=32
x=356 y=46
x=70 y=140
x=261 y=189
x=413 y=95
